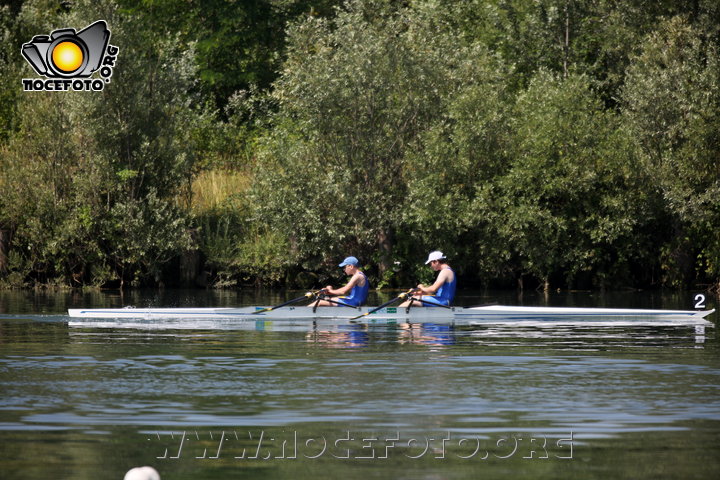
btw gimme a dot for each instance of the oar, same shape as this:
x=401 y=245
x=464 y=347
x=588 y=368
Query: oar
x=294 y=300
x=317 y=302
x=340 y=303
x=402 y=296
x=430 y=303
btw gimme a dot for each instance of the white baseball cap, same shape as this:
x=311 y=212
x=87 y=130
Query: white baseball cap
x=142 y=473
x=436 y=255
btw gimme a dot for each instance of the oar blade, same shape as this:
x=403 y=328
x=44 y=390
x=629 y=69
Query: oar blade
x=360 y=316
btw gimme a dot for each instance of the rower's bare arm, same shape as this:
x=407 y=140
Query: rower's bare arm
x=344 y=290
x=444 y=276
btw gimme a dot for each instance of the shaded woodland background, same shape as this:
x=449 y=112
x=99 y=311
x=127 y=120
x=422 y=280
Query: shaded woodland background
x=555 y=143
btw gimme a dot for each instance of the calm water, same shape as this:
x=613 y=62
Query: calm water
x=425 y=402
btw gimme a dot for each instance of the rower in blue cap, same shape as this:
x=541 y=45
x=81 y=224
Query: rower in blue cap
x=358 y=286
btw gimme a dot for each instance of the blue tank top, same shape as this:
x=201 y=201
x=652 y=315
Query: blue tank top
x=447 y=290
x=358 y=294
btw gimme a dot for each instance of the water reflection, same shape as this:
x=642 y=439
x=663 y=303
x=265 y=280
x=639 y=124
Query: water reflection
x=93 y=398
x=360 y=336
x=347 y=336
x=327 y=334
x=565 y=336
x=433 y=334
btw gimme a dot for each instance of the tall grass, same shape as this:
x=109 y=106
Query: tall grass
x=212 y=188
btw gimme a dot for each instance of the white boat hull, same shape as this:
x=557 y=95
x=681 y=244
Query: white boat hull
x=256 y=313
x=462 y=315
x=564 y=313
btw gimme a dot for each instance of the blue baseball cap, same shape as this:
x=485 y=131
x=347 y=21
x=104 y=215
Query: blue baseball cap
x=349 y=261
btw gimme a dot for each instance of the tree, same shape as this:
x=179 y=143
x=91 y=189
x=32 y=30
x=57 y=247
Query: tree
x=237 y=44
x=594 y=37
x=465 y=148
x=353 y=97
x=92 y=178
x=570 y=200
x=672 y=104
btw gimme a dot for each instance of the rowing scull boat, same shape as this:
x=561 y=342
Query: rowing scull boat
x=464 y=315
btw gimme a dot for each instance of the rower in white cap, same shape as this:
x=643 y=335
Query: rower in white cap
x=442 y=291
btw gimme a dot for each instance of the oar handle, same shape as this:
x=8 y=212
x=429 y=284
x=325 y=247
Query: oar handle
x=419 y=299
x=342 y=304
x=402 y=296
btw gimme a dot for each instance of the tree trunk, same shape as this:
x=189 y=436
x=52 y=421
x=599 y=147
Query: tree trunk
x=385 y=245
x=4 y=250
x=566 y=44
x=190 y=264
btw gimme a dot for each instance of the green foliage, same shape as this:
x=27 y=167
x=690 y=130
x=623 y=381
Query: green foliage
x=464 y=148
x=91 y=179
x=565 y=143
x=239 y=251
x=572 y=198
x=18 y=270
x=263 y=256
x=672 y=100
x=10 y=76
x=238 y=43
x=220 y=245
x=596 y=38
x=354 y=98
